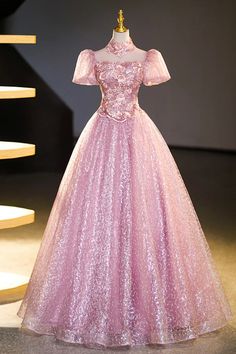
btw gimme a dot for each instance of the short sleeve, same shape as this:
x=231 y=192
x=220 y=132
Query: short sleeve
x=155 y=69
x=84 y=72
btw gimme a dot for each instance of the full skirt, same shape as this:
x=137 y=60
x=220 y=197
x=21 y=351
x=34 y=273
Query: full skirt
x=123 y=259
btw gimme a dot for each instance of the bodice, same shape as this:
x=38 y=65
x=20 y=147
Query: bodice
x=119 y=80
x=119 y=83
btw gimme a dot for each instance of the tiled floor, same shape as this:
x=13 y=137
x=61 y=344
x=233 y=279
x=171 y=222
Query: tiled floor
x=210 y=179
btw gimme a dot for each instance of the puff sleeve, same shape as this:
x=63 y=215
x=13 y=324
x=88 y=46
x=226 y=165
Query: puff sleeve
x=155 y=69
x=84 y=72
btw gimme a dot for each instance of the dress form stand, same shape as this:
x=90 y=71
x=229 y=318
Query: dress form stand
x=120 y=33
x=121 y=44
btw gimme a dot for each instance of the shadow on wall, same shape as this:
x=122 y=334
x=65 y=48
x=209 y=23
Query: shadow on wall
x=44 y=120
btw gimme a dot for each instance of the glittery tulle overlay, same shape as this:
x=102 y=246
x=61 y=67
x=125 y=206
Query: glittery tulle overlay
x=123 y=259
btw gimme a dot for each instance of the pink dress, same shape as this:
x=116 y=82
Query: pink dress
x=123 y=259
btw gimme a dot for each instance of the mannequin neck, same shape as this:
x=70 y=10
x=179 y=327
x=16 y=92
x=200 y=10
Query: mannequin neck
x=120 y=36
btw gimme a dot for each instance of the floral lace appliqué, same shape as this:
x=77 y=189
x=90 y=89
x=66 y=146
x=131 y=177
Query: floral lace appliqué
x=120 y=48
x=120 y=82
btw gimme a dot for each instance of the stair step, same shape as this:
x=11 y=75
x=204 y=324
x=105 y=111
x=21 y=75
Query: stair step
x=11 y=216
x=16 y=92
x=11 y=149
x=17 y=38
x=12 y=287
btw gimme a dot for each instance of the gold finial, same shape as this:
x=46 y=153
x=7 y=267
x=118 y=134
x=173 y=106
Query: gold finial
x=120 y=20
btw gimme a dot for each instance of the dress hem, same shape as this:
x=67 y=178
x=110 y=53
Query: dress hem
x=130 y=343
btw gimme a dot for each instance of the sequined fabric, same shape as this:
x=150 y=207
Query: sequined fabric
x=123 y=259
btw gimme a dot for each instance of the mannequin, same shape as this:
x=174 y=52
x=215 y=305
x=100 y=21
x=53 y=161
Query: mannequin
x=120 y=34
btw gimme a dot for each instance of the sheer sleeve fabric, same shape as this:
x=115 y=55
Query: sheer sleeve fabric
x=155 y=69
x=84 y=73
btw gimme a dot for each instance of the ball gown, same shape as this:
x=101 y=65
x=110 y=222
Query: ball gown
x=123 y=259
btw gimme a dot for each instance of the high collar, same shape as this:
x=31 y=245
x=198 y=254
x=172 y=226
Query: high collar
x=120 y=48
